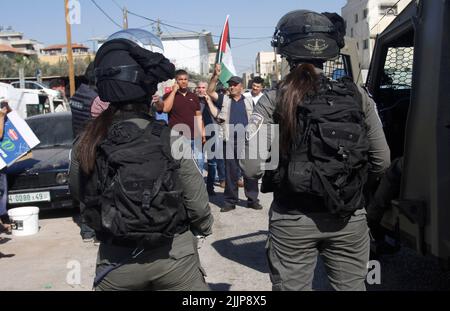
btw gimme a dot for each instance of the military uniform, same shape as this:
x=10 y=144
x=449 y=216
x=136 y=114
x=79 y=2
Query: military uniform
x=300 y=226
x=174 y=266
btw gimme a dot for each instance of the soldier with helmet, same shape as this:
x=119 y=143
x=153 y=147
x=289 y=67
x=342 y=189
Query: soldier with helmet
x=145 y=207
x=330 y=142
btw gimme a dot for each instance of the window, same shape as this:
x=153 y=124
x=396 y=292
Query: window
x=398 y=68
x=351 y=32
x=335 y=69
x=366 y=44
x=52 y=130
x=386 y=9
x=356 y=18
x=365 y=13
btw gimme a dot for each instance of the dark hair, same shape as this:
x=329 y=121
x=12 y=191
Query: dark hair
x=301 y=81
x=57 y=82
x=258 y=80
x=97 y=130
x=181 y=72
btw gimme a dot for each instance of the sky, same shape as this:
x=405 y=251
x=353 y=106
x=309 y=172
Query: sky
x=251 y=21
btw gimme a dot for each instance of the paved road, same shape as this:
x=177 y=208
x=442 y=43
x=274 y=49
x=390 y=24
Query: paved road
x=233 y=257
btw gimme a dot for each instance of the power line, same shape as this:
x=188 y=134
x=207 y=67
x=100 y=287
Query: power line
x=249 y=38
x=109 y=17
x=164 y=24
x=218 y=26
x=178 y=41
x=192 y=31
x=117 y=5
x=248 y=43
x=146 y=25
x=385 y=14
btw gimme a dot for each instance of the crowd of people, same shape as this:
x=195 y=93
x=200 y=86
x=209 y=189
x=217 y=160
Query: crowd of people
x=148 y=208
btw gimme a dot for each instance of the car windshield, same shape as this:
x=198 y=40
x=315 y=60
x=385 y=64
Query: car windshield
x=43 y=84
x=53 y=130
x=31 y=85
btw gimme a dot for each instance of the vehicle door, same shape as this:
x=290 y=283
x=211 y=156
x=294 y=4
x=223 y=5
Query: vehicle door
x=409 y=80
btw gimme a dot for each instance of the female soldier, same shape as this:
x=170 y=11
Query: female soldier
x=329 y=134
x=143 y=205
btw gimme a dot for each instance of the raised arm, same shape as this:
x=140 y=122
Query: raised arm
x=168 y=102
x=213 y=83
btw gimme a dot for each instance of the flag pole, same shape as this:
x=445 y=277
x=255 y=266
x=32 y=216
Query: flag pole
x=219 y=59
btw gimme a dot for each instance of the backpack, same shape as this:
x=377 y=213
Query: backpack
x=136 y=201
x=330 y=156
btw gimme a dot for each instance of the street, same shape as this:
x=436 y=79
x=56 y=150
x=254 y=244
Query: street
x=233 y=257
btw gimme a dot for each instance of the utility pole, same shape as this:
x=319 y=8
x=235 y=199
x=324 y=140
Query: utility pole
x=158 y=28
x=69 y=49
x=125 y=18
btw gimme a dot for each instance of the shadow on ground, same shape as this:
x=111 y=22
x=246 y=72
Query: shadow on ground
x=219 y=200
x=247 y=250
x=57 y=213
x=219 y=287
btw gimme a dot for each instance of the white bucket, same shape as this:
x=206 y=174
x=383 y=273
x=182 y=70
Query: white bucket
x=25 y=220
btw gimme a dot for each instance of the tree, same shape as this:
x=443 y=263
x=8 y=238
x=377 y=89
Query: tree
x=9 y=66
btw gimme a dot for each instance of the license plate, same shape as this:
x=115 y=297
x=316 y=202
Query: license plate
x=29 y=197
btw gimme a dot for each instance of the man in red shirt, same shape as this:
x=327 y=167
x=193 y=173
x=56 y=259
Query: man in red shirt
x=184 y=108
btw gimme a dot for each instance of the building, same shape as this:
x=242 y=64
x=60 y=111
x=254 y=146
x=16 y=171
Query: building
x=17 y=41
x=55 y=54
x=194 y=52
x=365 y=20
x=247 y=78
x=8 y=50
x=190 y=51
x=265 y=65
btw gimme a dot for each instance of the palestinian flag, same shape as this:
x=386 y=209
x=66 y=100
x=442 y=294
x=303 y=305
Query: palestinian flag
x=224 y=56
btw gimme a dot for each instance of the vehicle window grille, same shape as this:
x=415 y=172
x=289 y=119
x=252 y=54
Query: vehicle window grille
x=335 y=69
x=398 y=68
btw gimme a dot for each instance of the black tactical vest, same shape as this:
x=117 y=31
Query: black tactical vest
x=137 y=200
x=329 y=157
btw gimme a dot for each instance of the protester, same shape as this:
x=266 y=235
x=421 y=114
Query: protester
x=330 y=137
x=257 y=89
x=235 y=111
x=145 y=207
x=216 y=165
x=184 y=109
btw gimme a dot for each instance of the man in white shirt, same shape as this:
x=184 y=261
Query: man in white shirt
x=257 y=89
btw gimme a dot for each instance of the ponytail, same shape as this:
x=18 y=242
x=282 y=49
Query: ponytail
x=298 y=83
x=94 y=133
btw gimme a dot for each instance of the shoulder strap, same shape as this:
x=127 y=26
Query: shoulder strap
x=352 y=88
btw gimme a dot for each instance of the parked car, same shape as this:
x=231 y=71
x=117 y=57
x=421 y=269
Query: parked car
x=42 y=180
x=33 y=85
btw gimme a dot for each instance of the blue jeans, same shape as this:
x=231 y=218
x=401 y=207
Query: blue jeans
x=198 y=154
x=216 y=168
